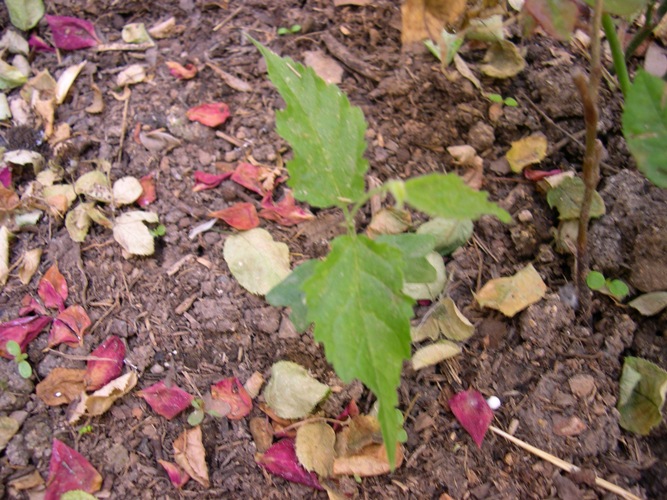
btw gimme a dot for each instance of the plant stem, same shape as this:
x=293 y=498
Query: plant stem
x=589 y=90
x=616 y=54
x=647 y=29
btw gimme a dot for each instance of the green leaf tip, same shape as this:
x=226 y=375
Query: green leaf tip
x=326 y=133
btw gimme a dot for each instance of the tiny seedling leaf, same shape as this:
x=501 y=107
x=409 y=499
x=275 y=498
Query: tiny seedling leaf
x=324 y=129
x=446 y=195
x=643 y=387
x=13 y=348
x=363 y=319
x=595 y=280
x=25 y=370
x=645 y=125
x=618 y=289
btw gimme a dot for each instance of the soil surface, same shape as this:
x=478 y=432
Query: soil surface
x=183 y=315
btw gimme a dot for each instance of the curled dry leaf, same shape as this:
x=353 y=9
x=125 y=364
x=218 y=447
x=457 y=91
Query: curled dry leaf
x=314 y=446
x=210 y=114
x=286 y=212
x=242 y=216
x=292 y=392
x=8 y=428
x=503 y=60
x=136 y=33
x=189 y=453
x=435 y=353
x=132 y=234
x=166 y=28
x=97 y=105
x=234 y=394
x=71 y=33
x=127 y=190
x=95 y=185
x=69 y=327
x=181 y=72
x=389 y=221
x=281 y=460
x=513 y=294
x=69 y=470
x=29 y=264
x=254 y=384
x=177 y=476
x=59 y=197
x=148 y=193
x=22 y=331
x=473 y=413
x=4 y=255
x=446 y=319
x=158 y=141
x=262 y=433
x=167 y=401
x=66 y=80
x=131 y=75
x=205 y=180
x=101 y=400
x=363 y=430
x=527 y=151
x=61 y=386
x=52 y=288
x=108 y=365
x=371 y=461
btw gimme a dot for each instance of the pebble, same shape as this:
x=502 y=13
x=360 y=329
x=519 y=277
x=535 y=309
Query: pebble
x=493 y=402
x=157 y=368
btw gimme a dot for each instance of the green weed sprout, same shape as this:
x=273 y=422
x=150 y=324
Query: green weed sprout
x=14 y=350
x=289 y=31
x=615 y=288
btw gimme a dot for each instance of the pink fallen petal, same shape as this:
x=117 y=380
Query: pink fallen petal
x=69 y=327
x=282 y=461
x=242 y=216
x=69 y=470
x=473 y=413
x=350 y=411
x=250 y=177
x=166 y=401
x=109 y=366
x=52 y=288
x=149 y=195
x=31 y=305
x=38 y=44
x=71 y=33
x=211 y=114
x=22 y=331
x=232 y=392
x=6 y=177
x=181 y=72
x=204 y=180
x=538 y=175
x=285 y=212
x=177 y=476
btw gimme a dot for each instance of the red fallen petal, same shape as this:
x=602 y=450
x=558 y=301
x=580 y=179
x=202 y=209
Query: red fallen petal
x=149 y=195
x=282 y=461
x=6 y=177
x=232 y=392
x=538 y=175
x=69 y=470
x=205 y=180
x=248 y=176
x=181 y=72
x=39 y=45
x=473 y=413
x=71 y=33
x=166 y=401
x=100 y=372
x=177 y=476
x=241 y=216
x=424 y=302
x=52 y=288
x=350 y=411
x=285 y=212
x=211 y=114
x=22 y=331
x=30 y=305
x=69 y=327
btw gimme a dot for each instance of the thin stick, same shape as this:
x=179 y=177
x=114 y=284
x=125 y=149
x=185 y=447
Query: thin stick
x=566 y=466
x=228 y=18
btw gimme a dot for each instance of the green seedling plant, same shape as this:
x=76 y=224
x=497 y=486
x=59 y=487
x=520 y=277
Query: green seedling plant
x=20 y=358
x=289 y=31
x=507 y=101
x=615 y=288
x=158 y=231
x=85 y=429
x=354 y=296
x=197 y=416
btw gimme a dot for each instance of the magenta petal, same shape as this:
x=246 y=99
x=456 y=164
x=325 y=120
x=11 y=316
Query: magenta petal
x=473 y=413
x=71 y=33
x=248 y=176
x=166 y=401
x=6 y=177
x=69 y=470
x=285 y=212
x=52 y=288
x=22 y=331
x=232 y=392
x=177 y=476
x=204 y=180
x=538 y=175
x=282 y=461
x=99 y=372
x=39 y=45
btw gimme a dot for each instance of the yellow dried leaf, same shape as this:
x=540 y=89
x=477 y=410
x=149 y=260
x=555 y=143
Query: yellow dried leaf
x=513 y=294
x=29 y=265
x=372 y=461
x=527 y=151
x=189 y=453
x=315 y=447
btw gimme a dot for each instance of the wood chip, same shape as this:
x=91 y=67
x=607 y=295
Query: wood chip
x=340 y=52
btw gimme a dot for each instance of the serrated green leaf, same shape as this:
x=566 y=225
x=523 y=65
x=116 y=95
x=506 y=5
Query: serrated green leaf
x=25 y=14
x=288 y=293
x=645 y=126
x=363 y=319
x=643 y=387
x=568 y=196
x=415 y=248
x=446 y=195
x=449 y=233
x=324 y=131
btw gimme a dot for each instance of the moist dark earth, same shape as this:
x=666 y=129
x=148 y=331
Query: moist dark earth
x=546 y=364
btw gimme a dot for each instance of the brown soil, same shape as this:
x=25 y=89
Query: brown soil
x=534 y=362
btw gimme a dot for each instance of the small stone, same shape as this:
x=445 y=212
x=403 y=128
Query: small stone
x=568 y=426
x=156 y=369
x=525 y=216
x=287 y=330
x=481 y=136
x=582 y=386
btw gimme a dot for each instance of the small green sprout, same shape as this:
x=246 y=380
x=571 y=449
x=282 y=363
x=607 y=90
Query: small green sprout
x=507 y=101
x=289 y=31
x=197 y=416
x=615 y=288
x=85 y=429
x=158 y=231
x=14 y=350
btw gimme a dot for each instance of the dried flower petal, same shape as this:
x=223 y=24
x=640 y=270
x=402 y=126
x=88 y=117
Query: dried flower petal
x=69 y=470
x=110 y=365
x=242 y=216
x=285 y=212
x=210 y=114
x=71 y=33
x=282 y=461
x=69 y=327
x=166 y=401
x=149 y=195
x=177 y=476
x=52 y=289
x=182 y=72
x=22 y=331
x=205 y=180
x=473 y=413
x=232 y=392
